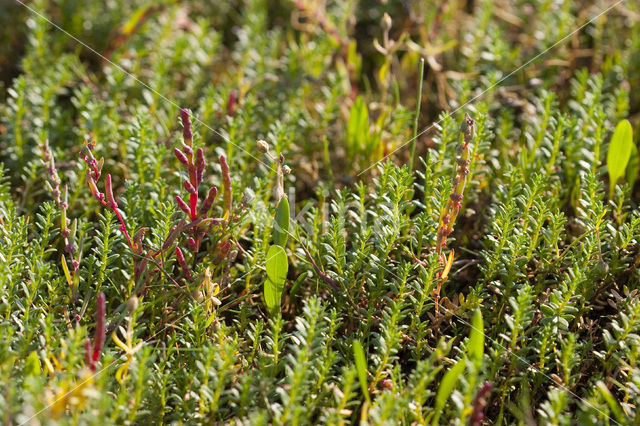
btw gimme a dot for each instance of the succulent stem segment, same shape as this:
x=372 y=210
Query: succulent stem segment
x=454 y=203
x=198 y=209
x=67 y=229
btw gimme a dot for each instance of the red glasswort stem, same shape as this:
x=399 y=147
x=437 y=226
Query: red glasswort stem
x=479 y=404
x=183 y=263
x=111 y=204
x=193 y=203
x=92 y=355
x=101 y=312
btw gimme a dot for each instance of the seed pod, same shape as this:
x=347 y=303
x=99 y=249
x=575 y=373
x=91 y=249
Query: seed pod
x=263 y=146
x=386 y=22
x=132 y=304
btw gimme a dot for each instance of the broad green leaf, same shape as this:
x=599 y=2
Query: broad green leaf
x=361 y=367
x=281 y=223
x=277 y=267
x=611 y=402
x=619 y=153
x=357 y=127
x=446 y=387
x=475 y=346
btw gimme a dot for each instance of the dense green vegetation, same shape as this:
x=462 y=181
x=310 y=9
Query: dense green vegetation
x=302 y=212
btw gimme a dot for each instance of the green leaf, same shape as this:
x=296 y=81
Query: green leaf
x=32 y=365
x=446 y=387
x=611 y=402
x=281 y=223
x=475 y=347
x=361 y=367
x=277 y=267
x=357 y=127
x=619 y=153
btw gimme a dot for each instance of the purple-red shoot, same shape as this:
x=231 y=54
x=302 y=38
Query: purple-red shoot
x=93 y=353
x=479 y=404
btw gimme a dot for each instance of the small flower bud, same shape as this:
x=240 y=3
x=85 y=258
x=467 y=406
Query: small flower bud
x=286 y=169
x=386 y=22
x=132 y=304
x=263 y=146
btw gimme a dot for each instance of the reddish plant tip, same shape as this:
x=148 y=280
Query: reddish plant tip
x=183 y=206
x=88 y=355
x=200 y=159
x=186 y=126
x=479 y=404
x=191 y=242
x=93 y=187
x=183 y=263
x=100 y=334
x=109 y=191
x=181 y=156
x=208 y=202
x=189 y=187
x=231 y=103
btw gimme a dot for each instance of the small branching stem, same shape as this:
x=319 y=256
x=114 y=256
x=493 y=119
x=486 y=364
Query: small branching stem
x=454 y=203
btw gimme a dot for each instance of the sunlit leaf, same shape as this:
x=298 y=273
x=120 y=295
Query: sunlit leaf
x=277 y=267
x=281 y=223
x=476 y=338
x=619 y=153
x=361 y=367
x=446 y=387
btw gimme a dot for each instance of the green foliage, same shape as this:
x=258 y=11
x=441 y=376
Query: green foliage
x=281 y=223
x=277 y=267
x=296 y=283
x=361 y=367
x=619 y=153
